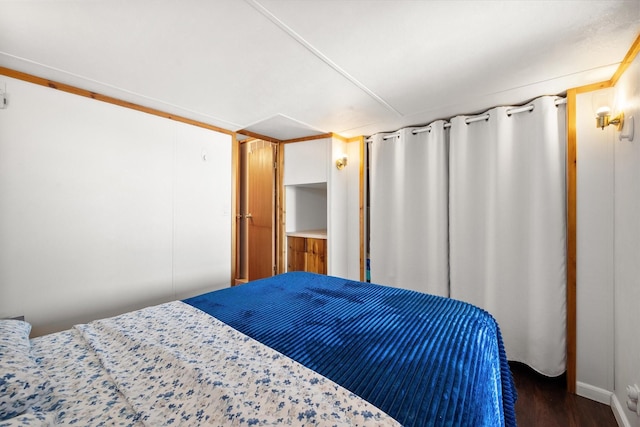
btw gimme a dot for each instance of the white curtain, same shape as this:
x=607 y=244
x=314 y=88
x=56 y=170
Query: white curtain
x=508 y=227
x=409 y=210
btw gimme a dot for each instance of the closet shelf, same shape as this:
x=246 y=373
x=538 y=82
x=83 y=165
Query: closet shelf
x=313 y=234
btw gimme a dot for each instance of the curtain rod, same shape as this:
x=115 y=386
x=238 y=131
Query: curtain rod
x=447 y=125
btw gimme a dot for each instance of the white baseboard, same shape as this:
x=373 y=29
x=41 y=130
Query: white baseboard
x=594 y=393
x=619 y=412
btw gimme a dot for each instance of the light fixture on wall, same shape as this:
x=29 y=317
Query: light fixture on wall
x=341 y=162
x=624 y=125
x=604 y=119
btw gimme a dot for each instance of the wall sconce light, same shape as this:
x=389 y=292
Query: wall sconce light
x=341 y=162
x=603 y=118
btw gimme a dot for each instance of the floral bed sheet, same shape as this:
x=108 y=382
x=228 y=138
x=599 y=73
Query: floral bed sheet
x=173 y=364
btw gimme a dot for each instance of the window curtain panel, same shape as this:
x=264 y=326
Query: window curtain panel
x=507 y=227
x=409 y=209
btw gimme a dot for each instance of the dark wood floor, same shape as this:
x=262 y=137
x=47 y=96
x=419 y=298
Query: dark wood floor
x=543 y=401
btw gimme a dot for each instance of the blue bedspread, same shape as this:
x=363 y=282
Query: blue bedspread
x=423 y=359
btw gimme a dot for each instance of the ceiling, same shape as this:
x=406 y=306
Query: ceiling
x=293 y=68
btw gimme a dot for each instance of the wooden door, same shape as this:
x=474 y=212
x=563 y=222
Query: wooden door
x=260 y=211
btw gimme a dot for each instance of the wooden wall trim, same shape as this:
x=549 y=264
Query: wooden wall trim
x=340 y=137
x=363 y=255
x=592 y=87
x=108 y=99
x=309 y=138
x=281 y=239
x=634 y=50
x=572 y=228
x=254 y=135
x=235 y=206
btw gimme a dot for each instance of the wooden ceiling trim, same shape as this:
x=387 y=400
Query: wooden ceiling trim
x=634 y=50
x=309 y=138
x=258 y=136
x=108 y=99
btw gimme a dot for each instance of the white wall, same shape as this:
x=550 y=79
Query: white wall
x=627 y=244
x=306 y=207
x=595 y=276
x=306 y=162
x=105 y=209
x=337 y=193
x=609 y=250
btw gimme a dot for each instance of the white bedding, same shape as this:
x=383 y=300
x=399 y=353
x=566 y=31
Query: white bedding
x=175 y=365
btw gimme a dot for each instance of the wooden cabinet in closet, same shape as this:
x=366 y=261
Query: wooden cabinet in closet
x=307 y=254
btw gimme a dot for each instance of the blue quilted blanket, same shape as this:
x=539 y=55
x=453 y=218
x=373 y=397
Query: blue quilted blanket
x=423 y=359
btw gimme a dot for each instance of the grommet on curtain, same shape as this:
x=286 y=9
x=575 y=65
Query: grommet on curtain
x=517 y=110
x=421 y=130
x=484 y=117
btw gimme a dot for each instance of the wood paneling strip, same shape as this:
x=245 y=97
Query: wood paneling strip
x=363 y=254
x=258 y=136
x=309 y=138
x=634 y=50
x=235 y=207
x=280 y=210
x=571 y=240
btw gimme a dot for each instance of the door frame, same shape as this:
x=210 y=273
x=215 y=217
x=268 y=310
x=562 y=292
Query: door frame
x=238 y=249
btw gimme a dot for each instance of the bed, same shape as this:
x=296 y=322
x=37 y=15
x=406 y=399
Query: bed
x=295 y=349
